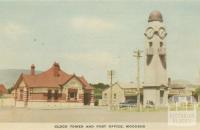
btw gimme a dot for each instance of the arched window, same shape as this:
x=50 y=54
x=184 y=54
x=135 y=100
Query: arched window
x=150 y=44
x=115 y=96
x=161 y=44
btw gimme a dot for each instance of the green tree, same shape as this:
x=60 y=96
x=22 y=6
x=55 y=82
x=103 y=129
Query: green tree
x=9 y=90
x=197 y=93
x=98 y=88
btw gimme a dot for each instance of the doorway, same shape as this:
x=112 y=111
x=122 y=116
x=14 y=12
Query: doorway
x=49 y=95
x=87 y=98
x=161 y=96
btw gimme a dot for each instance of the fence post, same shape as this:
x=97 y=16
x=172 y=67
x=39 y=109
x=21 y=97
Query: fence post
x=186 y=106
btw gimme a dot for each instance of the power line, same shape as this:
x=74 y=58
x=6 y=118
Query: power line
x=138 y=55
x=111 y=73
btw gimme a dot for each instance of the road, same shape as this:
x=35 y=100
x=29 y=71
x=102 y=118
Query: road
x=97 y=114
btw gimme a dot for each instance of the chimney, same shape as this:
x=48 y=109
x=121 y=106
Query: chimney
x=32 y=69
x=56 y=69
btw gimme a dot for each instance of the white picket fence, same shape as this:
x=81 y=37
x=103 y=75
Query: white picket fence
x=7 y=101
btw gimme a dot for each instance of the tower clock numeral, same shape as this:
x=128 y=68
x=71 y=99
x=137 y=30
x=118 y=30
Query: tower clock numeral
x=149 y=32
x=162 y=33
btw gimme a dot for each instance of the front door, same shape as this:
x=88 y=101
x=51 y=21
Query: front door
x=87 y=98
x=161 y=96
x=49 y=95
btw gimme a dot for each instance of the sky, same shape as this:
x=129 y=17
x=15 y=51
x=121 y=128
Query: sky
x=90 y=37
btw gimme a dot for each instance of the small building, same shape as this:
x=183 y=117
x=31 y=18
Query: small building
x=120 y=93
x=3 y=89
x=53 y=87
x=181 y=89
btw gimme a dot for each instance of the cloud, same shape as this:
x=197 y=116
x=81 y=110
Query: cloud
x=91 y=23
x=92 y=59
x=12 y=31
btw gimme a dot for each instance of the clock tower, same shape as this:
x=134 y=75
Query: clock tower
x=155 y=89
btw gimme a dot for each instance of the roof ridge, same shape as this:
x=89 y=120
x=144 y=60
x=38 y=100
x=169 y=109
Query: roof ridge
x=49 y=79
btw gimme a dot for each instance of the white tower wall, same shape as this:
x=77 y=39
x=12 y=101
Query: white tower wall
x=155 y=73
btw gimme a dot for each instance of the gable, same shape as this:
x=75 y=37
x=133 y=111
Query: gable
x=73 y=83
x=22 y=84
x=115 y=88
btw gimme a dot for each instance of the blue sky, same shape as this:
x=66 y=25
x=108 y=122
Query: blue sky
x=90 y=37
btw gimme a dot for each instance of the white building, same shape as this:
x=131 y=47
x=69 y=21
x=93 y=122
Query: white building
x=120 y=92
x=181 y=88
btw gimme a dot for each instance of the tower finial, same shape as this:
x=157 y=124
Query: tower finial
x=155 y=16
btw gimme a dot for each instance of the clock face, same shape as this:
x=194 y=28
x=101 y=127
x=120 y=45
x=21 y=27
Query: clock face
x=149 y=32
x=162 y=33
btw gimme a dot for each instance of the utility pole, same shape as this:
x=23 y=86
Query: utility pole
x=138 y=55
x=110 y=76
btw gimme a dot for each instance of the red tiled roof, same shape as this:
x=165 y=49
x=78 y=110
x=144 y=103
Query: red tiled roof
x=54 y=77
x=3 y=89
x=85 y=83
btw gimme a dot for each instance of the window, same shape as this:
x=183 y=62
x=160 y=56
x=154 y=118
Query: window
x=115 y=95
x=49 y=94
x=161 y=93
x=150 y=44
x=56 y=95
x=21 y=94
x=72 y=94
x=30 y=92
x=161 y=44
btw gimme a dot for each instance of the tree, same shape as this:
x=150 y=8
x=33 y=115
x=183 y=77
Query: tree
x=10 y=90
x=197 y=92
x=98 y=88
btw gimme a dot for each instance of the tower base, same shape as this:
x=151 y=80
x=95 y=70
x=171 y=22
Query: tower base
x=155 y=96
